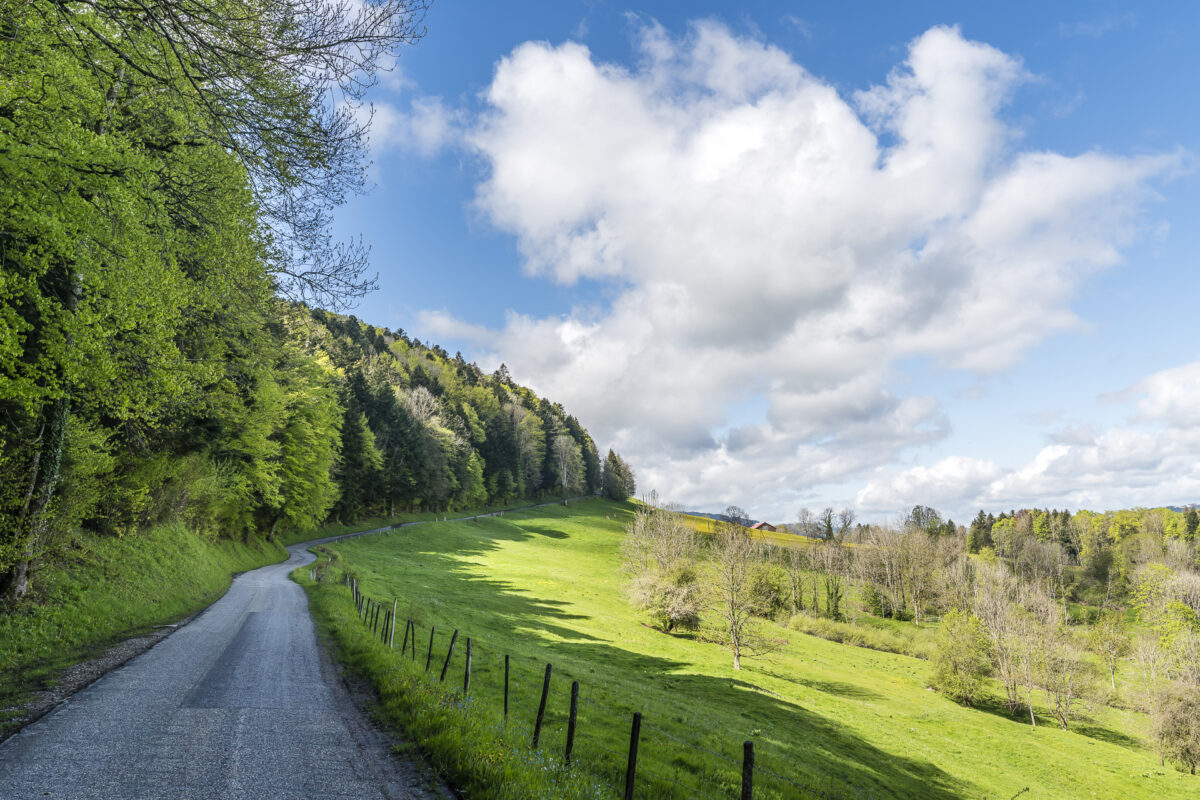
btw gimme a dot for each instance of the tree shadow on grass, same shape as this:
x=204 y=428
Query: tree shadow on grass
x=840 y=689
x=995 y=705
x=687 y=717
x=550 y=532
x=1093 y=730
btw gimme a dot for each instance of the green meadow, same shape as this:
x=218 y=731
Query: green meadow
x=827 y=719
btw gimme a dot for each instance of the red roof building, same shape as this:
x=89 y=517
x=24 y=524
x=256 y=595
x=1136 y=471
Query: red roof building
x=763 y=526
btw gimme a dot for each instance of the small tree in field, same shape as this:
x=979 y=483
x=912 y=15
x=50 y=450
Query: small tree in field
x=963 y=658
x=1067 y=677
x=1177 y=725
x=1109 y=639
x=734 y=556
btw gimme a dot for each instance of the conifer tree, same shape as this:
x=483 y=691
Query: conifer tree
x=617 y=480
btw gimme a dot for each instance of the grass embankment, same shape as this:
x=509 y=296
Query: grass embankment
x=102 y=590
x=373 y=523
x=831 y=719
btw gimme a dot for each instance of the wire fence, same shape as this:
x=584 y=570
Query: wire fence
x=656 y=762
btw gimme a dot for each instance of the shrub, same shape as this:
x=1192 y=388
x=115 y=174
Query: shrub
x=1177 y=726
x=962 y=659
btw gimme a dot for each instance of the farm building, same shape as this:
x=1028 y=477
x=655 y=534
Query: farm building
x=763 y=526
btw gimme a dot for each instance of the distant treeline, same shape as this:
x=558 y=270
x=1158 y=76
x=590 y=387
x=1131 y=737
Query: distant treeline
x=1108 y=545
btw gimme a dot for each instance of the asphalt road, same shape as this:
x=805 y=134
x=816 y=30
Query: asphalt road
x=236 y=704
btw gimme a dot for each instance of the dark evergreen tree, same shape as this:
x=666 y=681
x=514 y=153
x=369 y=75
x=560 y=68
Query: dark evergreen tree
x=979 y=535
x=617 y=478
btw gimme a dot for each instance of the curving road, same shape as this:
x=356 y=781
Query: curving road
x=236 y=704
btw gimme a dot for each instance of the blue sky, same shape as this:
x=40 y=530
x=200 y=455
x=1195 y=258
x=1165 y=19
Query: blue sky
x=554 y=189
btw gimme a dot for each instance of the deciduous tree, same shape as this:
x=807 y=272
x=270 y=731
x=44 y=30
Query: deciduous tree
x=733 y=556
x=963 y=658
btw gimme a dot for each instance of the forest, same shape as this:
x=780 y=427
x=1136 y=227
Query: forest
x=167 y=176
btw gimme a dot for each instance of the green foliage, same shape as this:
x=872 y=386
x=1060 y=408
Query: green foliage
x=962 y=660
x=1177 y=726
x=147 y=371
x=449 y=437
x=979 y=535
x=1158 y=610
x=767 y=582
x=1108 y=638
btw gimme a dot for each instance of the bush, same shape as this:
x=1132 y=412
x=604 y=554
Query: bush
x=1177 y=726
x=766 y=588
x=963 y=657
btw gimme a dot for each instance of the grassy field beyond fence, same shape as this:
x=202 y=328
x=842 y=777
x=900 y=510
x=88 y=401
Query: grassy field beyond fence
x=827 y=719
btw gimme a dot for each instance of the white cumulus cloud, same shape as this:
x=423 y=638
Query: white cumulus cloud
x=768 y=237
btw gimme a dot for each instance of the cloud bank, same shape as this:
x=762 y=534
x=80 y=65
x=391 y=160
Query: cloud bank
x=1149 y=458
x=775 y=248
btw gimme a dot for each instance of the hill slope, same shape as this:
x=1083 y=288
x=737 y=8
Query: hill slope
x=544 y=586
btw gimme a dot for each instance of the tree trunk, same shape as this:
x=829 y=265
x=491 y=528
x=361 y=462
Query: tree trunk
x=34 y=521
x=16 y=581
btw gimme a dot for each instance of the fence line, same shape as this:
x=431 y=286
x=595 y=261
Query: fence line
x=369 y=610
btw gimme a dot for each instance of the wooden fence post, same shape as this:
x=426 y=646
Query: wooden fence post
x=467 y=673
x=631 y=769
x=449 y=652
x=429 y=655
x=392 y=632
x=748 y=770
x=414 y=640
x=537 y=726
x=571 y=716
x=404 y=644
x=506 y=687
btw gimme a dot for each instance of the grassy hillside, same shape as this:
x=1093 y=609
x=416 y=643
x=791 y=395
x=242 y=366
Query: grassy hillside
x=831 y=719
x=103 y=589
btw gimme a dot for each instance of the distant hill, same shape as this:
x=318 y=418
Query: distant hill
x=717 y=517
